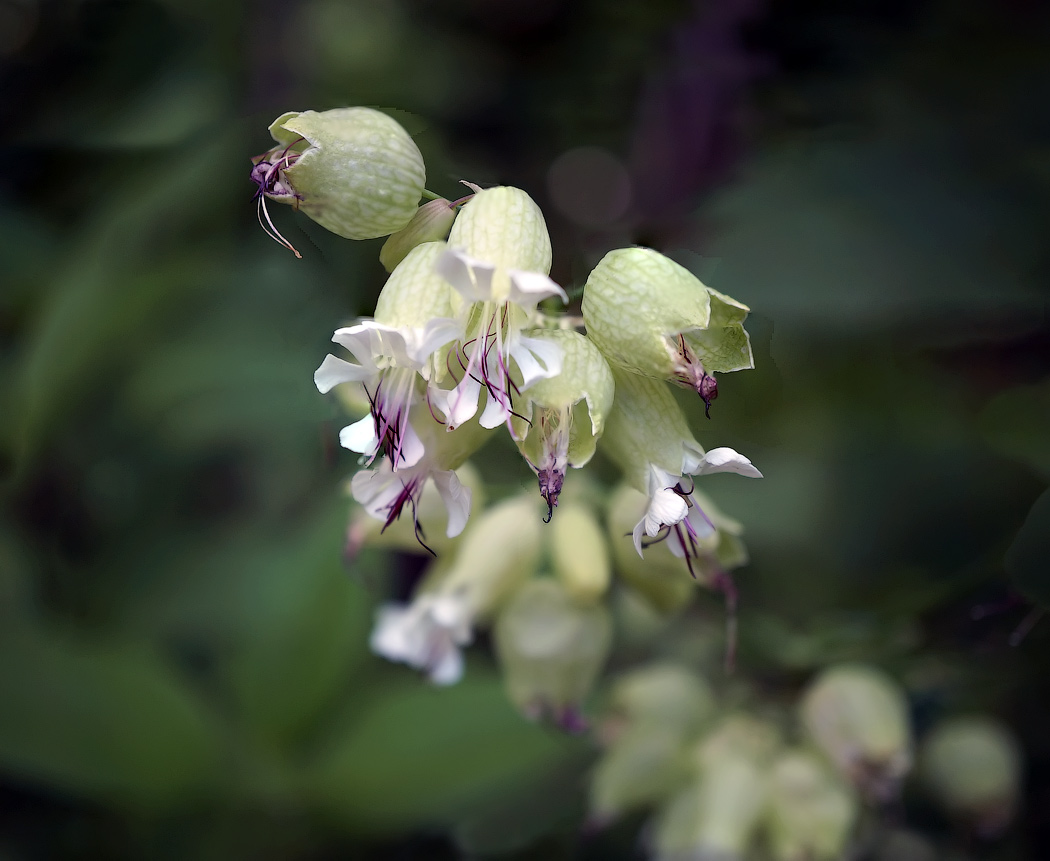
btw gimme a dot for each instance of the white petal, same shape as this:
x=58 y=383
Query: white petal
x=456 y=498
x=448 y=668
x=472 y=278
x=412 y=449
x=529 y=353
x=392 y=636
x=665 y=509
x=530 y=288
x=360 y=436
x=727 y=460
x=434 y=335
x=461 y=403
x=375 y=489
x=495 y=414
x=334 y=371
x=639 y=530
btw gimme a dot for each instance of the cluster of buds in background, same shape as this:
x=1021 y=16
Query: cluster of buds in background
x=459 y=351
x=789 y=781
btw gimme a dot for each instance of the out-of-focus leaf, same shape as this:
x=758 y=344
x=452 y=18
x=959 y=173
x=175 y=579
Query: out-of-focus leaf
x=1017 y=423
x=111 y=289
x=107 y=722
x=421 y=754
x=305 y=625
x=1028 y=559
x=529 y=810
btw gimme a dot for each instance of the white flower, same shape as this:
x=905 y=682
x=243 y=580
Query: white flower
x=672 y=510
x=497 y=260
x=384 y=492
x=392 y=366
x=426 y=634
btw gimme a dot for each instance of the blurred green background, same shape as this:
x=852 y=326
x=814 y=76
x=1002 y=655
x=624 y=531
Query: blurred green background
x=184 y=668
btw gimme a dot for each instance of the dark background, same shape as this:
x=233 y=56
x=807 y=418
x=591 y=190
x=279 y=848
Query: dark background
x=183 y=654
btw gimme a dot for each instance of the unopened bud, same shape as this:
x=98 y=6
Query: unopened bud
x=717 y=816
x=643 y=767
x=579 y=555
x=810 y=813
x=859 y=717
x=652 y=317
x=499 y=551
x=667 y=696
x=355 y=171
x=431 y=223
x=551 y=651
x=973 y=766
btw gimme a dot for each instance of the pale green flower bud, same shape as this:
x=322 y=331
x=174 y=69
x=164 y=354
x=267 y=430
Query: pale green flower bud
x=810 y=814
x=431 y=223
x=859 y=717
x=652 y=317
x=498 y=553
x=973 y=767
x=716 y=817
x=646 y=428
x=643 y=767
x=738 y=734
x=579 y=555
x=667 y=696
x=355 y=171
x=566 y=413
x=504 y=227
x=551 y=651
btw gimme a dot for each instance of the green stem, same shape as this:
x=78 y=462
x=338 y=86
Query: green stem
x=429 y=195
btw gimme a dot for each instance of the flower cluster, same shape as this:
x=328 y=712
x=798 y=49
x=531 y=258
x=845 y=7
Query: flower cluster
x=458 y=351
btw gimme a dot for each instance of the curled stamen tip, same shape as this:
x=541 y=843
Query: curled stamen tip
x=707 y=388
x=550 y=486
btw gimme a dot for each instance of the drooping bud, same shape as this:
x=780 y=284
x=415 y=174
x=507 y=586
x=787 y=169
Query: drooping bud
x=667 y=696
x=642 y=767
x=810 y=813
x=565 y=414
x=973 y=767
x=551 y=651
x=431 y=223
x=652 y=317
x=717 y=816
x=497 y=555
x=355 y=171
x=859 y=717
x=504 y=227
x=579 y=555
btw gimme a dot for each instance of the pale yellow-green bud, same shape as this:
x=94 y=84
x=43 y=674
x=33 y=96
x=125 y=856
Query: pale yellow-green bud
x=668 y=696
x=972 y=765
x=499 y=551
x=858 y=716
x=646 y=427
x=355 y=171
x=652 y=317
x=716 y=817
x=579 y=555
x=503 y=226
x=643 y=766
x=738 y=734
x=810 y=813
x=415 y=294
x=431 y=223
x=551 y=650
